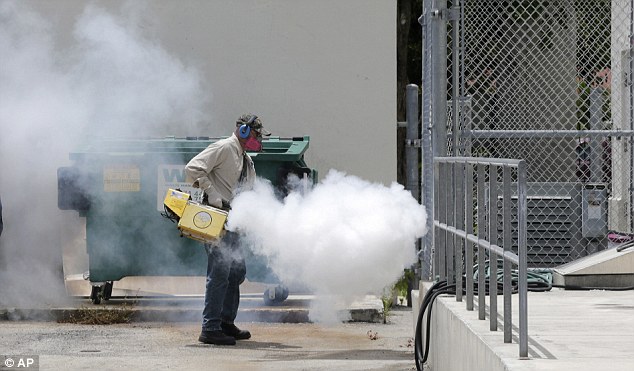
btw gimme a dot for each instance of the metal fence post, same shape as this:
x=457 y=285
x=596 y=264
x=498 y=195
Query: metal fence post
x=427 y=149
x=469 y=230
x=467 y=121
x=449 y=192
x=455 y=83
x=522 y=209
x=492 y=237
x=459 y=212
x=441 y=215
x=438 y=248
x=507 y=241
x=596 y=123
x=481 y=235
x=439 y=77
x=631 y=119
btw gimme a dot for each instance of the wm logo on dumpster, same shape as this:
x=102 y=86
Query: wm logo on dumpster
x=174 y=175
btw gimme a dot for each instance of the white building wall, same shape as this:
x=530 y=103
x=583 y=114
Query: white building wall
x=323 y=68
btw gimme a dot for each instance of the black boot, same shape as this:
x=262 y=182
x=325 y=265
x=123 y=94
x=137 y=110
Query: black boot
x=216 y=337
x=232 y=330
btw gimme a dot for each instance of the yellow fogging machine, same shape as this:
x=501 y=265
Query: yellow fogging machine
x=194 y=220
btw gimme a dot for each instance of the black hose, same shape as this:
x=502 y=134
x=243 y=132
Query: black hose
x=169 y=214
x=625 y=246
x=437 y=289
x=434 y=291
x=418 y=349
x=447 y=290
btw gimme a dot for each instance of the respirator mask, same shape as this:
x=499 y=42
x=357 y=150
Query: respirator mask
x=253 y=144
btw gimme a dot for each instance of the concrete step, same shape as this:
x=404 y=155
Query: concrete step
x=295 y=309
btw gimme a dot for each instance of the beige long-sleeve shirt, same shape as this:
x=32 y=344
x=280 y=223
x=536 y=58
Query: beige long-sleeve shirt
x=217 y=169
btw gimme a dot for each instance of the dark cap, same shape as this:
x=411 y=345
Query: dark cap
x=254 y=122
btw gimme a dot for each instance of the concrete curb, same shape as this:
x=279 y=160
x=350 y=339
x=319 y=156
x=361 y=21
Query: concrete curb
x=293 y=310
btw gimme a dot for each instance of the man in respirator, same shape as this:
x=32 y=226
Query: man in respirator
x=222 y=170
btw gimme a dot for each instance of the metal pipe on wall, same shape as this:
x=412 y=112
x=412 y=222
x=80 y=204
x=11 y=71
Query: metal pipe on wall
x=439 y=77
x=412 y=145
x=427 y=181
x=412 y=141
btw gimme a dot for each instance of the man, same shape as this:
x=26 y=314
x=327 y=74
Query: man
x=220 y=171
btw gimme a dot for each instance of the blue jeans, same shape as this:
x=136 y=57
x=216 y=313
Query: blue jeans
x=226 y=270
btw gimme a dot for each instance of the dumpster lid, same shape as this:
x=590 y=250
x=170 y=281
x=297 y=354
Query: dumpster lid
x=273 y=148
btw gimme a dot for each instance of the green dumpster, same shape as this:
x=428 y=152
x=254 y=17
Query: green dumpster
x=119 y=187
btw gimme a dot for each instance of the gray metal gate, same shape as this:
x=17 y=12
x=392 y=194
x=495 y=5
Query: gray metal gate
x=547 y=81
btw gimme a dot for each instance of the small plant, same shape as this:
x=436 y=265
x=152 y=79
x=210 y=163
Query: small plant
x=391 y=295
x=387 y=306
x=401 y=286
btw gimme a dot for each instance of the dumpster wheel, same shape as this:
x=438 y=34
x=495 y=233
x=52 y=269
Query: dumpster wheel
x=101 y=292
x=275 y=295
x=95 y=294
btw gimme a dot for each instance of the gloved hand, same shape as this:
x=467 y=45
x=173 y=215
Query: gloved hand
x=213 y=197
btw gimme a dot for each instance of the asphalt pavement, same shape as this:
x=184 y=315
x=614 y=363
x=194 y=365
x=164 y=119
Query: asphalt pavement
x=56 y=343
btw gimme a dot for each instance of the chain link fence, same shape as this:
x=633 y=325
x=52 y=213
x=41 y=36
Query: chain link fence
x=548 y=82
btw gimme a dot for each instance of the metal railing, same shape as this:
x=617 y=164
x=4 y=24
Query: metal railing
x=545 y=81
x=457 y=234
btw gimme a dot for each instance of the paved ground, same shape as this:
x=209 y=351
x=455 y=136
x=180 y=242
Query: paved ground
x=174 y=345
x=579 y=330
x=568 y=330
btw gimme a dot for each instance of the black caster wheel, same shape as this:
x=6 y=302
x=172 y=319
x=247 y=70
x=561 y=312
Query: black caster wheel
x=96 y=294
x=280 y=294
x=107 y=290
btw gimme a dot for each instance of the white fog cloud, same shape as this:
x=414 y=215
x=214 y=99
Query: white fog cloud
x=343 y=239
x=112 y=80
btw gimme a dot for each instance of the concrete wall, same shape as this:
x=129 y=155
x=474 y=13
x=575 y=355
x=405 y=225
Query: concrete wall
x=323 y=68
x=455 y=342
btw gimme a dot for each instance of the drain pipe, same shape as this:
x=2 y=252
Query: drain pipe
x=412 y=147
x=412 y=142
x=427 y=179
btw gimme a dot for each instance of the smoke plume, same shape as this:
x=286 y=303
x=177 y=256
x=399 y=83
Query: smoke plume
x=111 y=80
x=343 y=239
